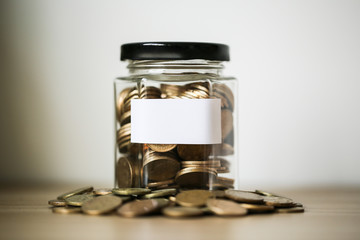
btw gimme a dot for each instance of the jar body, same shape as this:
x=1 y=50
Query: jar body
x=168 y=161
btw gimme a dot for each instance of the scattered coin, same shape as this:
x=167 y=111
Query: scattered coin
x=218 y=193
x=181 y=212
x=57 y=203
x=193 y=198
x=243 y=196
x=290 y=210
x=75 y=192
x=255 y=208
x=265 y=193
x=78 y=200
x=130 y=191
x=225 y=207
x=278 y=201
x=66 y=210
x=160 y=193
x=102 y=191
x=138 y=208
x=101 y=205
x=160 y=184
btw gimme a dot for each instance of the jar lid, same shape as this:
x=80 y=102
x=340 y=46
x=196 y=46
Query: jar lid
x=174 y=51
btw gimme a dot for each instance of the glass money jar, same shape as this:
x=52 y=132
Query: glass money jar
x=176 y=117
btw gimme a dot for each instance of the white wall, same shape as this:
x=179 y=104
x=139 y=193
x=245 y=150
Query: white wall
x=298 y=65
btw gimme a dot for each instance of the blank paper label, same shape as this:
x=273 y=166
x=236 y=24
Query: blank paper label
x=176 y=121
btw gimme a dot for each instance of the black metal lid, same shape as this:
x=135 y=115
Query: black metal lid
x=174 y=51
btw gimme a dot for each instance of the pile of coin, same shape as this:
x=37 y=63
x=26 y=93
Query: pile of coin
x=134 y=202
x=179 y=166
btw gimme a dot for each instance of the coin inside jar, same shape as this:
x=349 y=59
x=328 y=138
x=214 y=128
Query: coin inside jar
x=124 y=173
x=160 y=166
x=195 y=177
x=162 y=147
x=193 y=152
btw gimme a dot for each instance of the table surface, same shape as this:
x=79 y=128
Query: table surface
x=330 y=214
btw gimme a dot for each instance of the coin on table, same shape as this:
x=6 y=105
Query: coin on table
x=130 y=191
x=75 y=192
x=102 y=191
x=162 y=147
x=195 y=177
x=243 y=196
x=265 y=193
x=218 y=193
x=160 y=184
x=124 y=173
x=66 y=210
x=101 y=205
x=160 y=193
x=57 y=203
x=139 y=208
x=78 y=200
x=194 y=152
x=179 y=212
x=278 y=201
x=225 y=207
x=255 y=208
x=193 y=198
x=290 y=210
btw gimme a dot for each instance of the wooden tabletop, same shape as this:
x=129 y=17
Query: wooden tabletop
x=330 y=214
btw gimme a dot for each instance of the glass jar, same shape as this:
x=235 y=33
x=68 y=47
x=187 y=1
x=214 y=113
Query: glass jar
x=176 y=117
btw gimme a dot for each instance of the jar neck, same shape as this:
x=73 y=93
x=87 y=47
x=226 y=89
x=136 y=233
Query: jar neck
x=193 y=66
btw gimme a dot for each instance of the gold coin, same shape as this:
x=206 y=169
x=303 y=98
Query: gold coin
x=160 y=168
x=101 y=205
x=138 y=208
x=265 y=193
x=278 y=201
x=193 y=198
x=202 y=163
x=159 y=184
x=179 y=212
x=226 y=93
x=57 y=203
x=290 y=210
x=226 y=122
x=75 y=192
x=255 y=208
x=223 y=149
x=124 y=173
x=130 y=191
x=125 y=118
x=243 y=196
x=172 y=198
x=66 y=210
x=160 y=193
x=78 y=200
x=102 y=191
x=195 y=177
x=120 y=101
x=225 y=207
x=193 y=152
x=218 y=193
x=162 y=147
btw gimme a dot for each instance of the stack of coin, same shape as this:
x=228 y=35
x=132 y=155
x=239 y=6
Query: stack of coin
x=136 y=202
x=170 y=91
x=195 y=90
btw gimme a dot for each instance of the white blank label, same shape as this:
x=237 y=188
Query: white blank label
x=176 y=121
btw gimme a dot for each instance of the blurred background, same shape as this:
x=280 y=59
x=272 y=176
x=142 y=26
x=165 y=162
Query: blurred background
x=298 y=65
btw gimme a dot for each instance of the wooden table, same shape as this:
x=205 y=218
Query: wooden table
x=330 y=214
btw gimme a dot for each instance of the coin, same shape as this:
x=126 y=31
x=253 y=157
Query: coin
x=160 y=166
x=226 y=95
x=101 y=205
x=121 y=100
x=130 y=191
x=159 y=184
x=255 y=208
x=195 y=177
x=193 y=152
x=278 y=201
x=225 y=207
x=162 y=147
x=75 y=192
x=218 y=193
x=57 y=203
x=125 y=118
x=223 y=149
x=160 y=193
x=265 y=193
x=226 y=122
x=179 y=212
x=124 y=173
x=78 y=200
x=193 y=198
x=66 y=210
x=243 y=196
x=138 y=208
x=102 y=191
x=290 y=210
